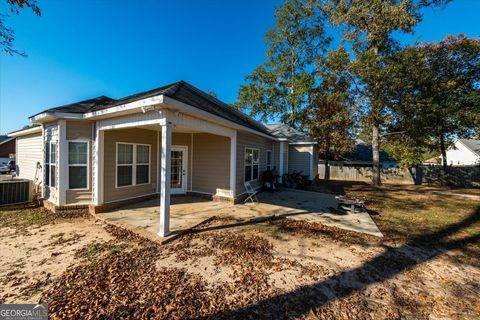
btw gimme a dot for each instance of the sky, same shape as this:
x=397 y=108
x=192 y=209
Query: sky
x=80 y=49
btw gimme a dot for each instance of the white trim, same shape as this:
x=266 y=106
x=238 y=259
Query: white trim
x=78 y=165
x=244 y=163
x=191 y=162
x=165 y=181
x=184 y=187
x=133 y=164
x=280 y=159
x=98 y=166
x=25 y=132
x=233 y=164
x=311 y=163
x=62 y=155
x=304 y=142
x=209 y=116
x=158 y=162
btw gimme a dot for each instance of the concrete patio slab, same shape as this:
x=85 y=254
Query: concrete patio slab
x=187 y=211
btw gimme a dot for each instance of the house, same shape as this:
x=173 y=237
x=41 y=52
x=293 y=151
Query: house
x=175 y=139
x=464 y=152
x=7 y=148
x=361 y=156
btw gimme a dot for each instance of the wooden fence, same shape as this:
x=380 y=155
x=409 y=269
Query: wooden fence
x=15 y=191
x=452 y=176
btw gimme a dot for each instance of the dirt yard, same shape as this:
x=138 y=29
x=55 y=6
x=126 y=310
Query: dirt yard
x=426 y=267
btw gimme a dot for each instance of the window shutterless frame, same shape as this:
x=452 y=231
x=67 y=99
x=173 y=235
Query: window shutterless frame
x=133 y=164
x=79 y=165
x=50 y=164
x=252 y=164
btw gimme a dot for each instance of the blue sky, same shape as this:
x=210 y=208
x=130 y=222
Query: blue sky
x=80 y=49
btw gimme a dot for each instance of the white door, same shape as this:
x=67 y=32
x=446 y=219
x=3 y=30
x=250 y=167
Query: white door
x=178 y=177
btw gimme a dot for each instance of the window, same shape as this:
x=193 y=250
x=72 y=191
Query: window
x=50 y=164
x=77 y=165
x=269 y=160
x=252 y=160
x=133 y=164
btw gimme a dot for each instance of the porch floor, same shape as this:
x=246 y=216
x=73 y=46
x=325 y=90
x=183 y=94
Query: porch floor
x=187 y=211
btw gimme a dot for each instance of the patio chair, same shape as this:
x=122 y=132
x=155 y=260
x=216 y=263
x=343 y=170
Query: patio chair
x=251 y=192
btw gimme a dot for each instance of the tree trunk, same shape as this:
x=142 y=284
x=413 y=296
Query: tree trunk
x=327 y=154
x=376 y=154
x=444 y=150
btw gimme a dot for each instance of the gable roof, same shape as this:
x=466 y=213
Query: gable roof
x=472 y=144
x=181 y=91
x=284 y=131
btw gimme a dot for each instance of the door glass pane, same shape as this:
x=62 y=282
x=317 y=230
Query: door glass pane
x=77 y=178
x=176 y=170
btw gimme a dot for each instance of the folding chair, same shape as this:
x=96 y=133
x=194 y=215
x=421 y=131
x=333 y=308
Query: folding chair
x=252 y=194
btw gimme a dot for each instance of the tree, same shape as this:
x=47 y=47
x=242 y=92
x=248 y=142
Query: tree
x=368 y=26
x=329 y=118
x=7 y=34
x=280 y=88
x=435 y=97
x=454 y=66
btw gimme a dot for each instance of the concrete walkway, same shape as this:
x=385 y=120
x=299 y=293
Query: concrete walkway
x=188 y=211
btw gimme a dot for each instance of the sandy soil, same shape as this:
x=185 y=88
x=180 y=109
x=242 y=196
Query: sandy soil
x=33 y=257
x=279 y=270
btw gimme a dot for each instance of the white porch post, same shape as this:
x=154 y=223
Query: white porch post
x=280 y=158
x=98 y=165
x=233 y=164
x=165 y=180
x=62 y=162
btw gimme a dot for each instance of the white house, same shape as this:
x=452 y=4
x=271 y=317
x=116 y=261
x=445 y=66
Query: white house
x=464 y=152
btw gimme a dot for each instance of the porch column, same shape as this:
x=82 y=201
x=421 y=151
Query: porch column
x=280 y=159
x=233 y=164
x=62 y=162
x=165 y=180
x=98 y=167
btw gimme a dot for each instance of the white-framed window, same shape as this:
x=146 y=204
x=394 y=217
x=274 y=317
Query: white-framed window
x=269 y=159
x=133 y=164
x=252 y=164
x=78 y=154
x=50 y=164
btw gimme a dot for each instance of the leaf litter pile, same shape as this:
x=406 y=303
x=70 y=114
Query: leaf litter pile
x=124 y=281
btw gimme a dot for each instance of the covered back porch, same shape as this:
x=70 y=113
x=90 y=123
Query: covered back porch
x=159 y=153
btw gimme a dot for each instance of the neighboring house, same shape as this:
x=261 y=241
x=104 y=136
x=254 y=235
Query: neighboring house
x=362 y=157
x=175 y=139
x=464 y=152
x=7 y=148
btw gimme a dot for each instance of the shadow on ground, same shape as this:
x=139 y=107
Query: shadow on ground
x=393 y=261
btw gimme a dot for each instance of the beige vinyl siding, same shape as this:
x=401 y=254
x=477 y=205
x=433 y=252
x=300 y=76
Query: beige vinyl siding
x=211 y=163
x=299 y=158
x=81 y=130
x=29 y=152
x=51 y=135
x=249 y=140
x=111 y=192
